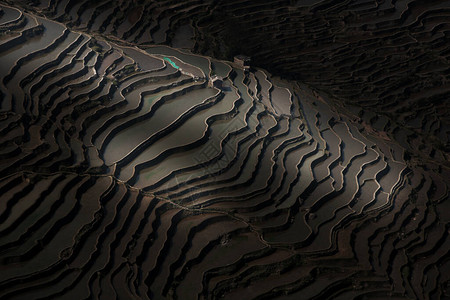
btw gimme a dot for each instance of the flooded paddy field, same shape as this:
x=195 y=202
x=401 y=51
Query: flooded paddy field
x=125 y=173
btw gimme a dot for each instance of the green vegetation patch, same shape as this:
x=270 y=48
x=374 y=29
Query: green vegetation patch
x=171 y=62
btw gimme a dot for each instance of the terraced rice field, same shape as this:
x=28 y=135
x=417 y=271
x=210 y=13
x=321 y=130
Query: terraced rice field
x=124 y=175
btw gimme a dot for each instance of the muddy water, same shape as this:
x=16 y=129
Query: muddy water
x=128 y=139
x=9 y=14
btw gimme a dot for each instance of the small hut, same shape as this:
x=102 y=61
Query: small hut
x=242 y=61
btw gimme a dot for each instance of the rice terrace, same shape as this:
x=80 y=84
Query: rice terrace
x=224 y=149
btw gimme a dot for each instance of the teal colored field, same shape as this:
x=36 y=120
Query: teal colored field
x=171 y=62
